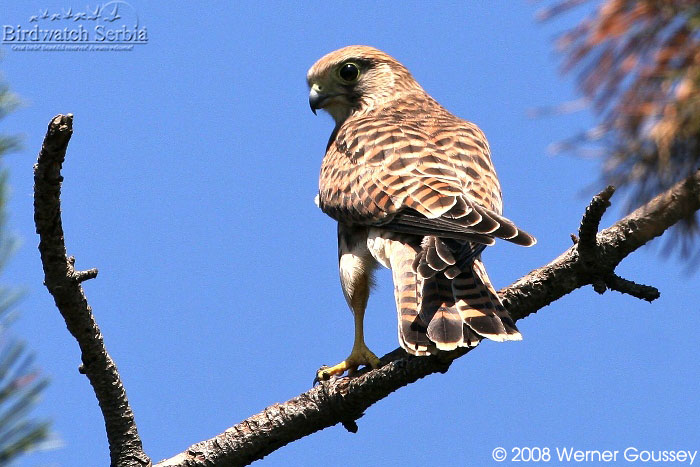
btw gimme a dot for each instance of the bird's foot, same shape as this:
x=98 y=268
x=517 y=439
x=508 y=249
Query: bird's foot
x=360 y=355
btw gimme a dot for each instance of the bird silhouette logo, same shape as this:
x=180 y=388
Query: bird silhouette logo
x=108 y=12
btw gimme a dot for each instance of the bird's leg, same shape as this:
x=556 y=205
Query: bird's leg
x=360 y=354
x=356 y=266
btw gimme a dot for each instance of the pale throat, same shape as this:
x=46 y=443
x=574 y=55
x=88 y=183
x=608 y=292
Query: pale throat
x=340 y=112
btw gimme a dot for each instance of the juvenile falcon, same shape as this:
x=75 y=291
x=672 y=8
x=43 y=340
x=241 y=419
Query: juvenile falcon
x=412 y=188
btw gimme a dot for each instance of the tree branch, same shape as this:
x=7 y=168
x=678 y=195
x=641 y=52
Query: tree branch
x=567 y=273
x=63 y=282
x=591 y=260
x=343 y=400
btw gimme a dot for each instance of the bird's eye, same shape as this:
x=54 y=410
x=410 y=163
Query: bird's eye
x=349 y=72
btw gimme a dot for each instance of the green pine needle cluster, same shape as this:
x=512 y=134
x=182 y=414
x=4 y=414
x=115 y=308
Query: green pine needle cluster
x=21 y=384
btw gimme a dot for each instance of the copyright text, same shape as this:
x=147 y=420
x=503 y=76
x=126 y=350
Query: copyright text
x=630 y=454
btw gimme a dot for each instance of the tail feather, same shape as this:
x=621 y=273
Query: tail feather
x=471 y=338
x=475 y=306
x=452 y=305
x=438 y=309
x=413 y=332
x=445 y=329
x=512 y=331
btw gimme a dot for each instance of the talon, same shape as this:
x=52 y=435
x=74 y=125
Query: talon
x=360 y=356
x=321 y=375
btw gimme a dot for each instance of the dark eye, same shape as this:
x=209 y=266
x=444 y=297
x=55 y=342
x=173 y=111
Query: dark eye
x=349 y=72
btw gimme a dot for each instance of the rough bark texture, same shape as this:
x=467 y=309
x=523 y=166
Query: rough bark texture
x=63 y=282
x=591 y=260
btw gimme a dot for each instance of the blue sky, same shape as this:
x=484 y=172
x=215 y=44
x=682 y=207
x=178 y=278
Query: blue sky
x=189 y=183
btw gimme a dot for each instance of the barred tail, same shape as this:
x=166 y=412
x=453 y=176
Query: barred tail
x=407 y=290
x=439 y=313
x=438 y=309
x=443 y=302
x=479 y=305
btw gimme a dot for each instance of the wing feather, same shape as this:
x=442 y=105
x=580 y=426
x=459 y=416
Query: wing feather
x=416 y=175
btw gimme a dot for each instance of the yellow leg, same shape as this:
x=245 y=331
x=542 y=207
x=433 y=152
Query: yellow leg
x=355 y=265
x=360 y=354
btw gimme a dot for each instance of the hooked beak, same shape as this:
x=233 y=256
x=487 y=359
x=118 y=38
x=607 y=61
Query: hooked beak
x=317 y=98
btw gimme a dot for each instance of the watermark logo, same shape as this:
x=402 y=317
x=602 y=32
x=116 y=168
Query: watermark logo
x=110 y=26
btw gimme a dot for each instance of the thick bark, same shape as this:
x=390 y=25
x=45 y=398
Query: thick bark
x=63 y=282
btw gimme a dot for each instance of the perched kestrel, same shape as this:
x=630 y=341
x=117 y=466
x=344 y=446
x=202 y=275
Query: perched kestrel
x=412 y=188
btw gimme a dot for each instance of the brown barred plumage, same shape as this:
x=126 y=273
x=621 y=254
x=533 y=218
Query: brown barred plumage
x=415 y=188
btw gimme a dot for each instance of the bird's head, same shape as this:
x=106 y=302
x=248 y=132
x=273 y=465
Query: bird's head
x=356 y=78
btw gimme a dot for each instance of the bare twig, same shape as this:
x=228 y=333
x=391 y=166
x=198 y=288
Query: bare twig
x=602 y=278
x=642 y=292
x=63 y=282
x=566 y=273
x=590 y=222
